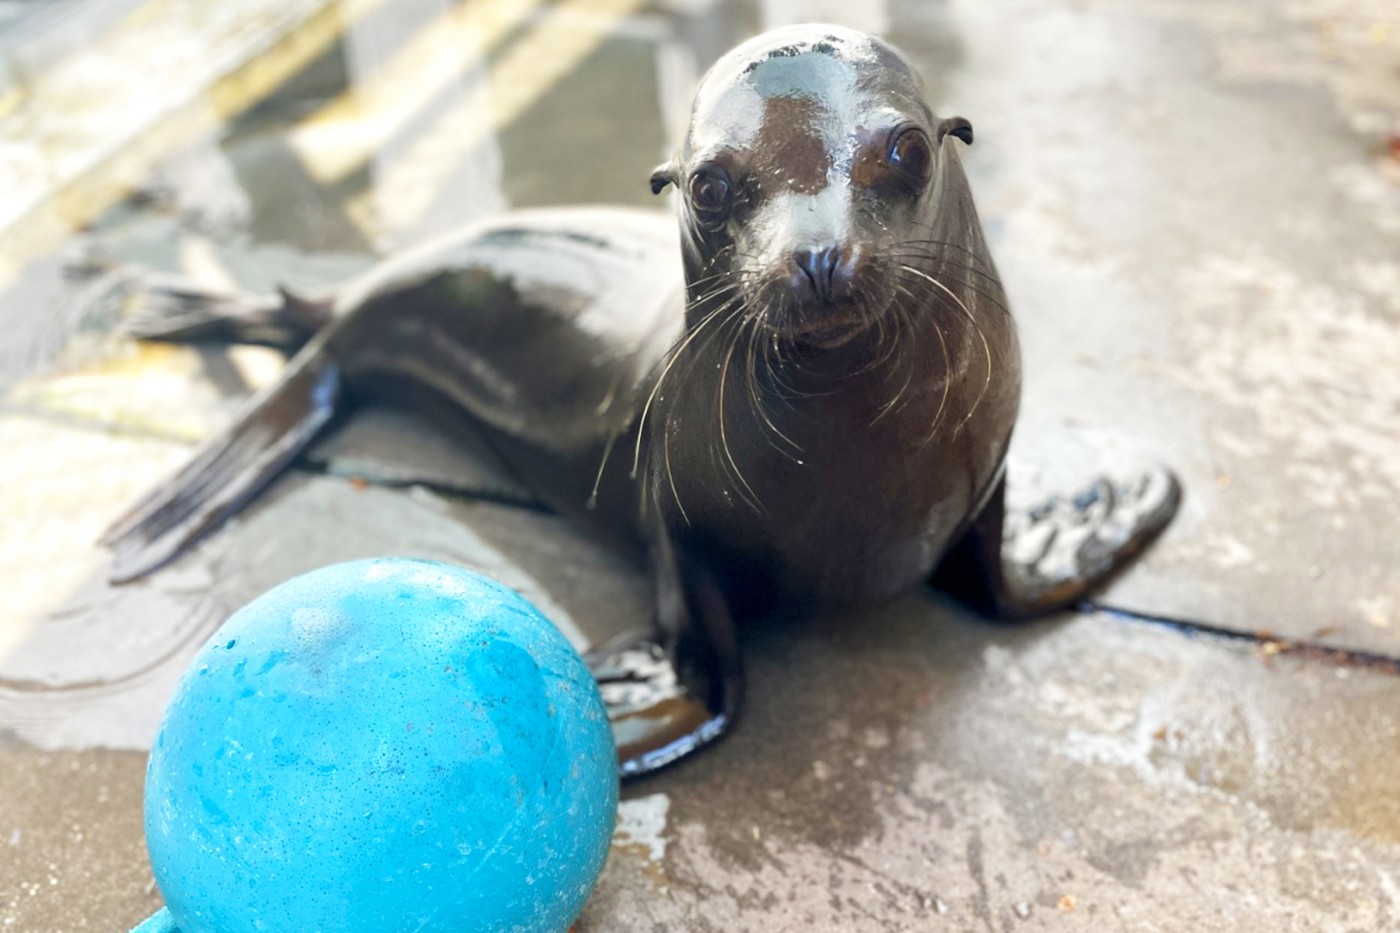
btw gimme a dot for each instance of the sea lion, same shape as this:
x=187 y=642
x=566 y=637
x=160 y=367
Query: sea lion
x=815 y=415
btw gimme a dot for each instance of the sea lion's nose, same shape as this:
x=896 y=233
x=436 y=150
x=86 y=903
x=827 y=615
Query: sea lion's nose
x=825 y=271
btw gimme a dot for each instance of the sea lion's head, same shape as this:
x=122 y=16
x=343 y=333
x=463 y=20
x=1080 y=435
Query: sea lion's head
x=807 y=170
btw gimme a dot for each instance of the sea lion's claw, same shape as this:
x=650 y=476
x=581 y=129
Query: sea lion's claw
x=1053 y=554
x=657 y=718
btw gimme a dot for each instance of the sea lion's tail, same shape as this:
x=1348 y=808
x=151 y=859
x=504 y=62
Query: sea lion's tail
x=174 y=309
x=272 y=428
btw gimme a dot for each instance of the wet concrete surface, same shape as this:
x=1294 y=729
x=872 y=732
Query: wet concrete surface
x=1196 y=211
x=1200 y=282
x=1079 y=775
x=74 y=851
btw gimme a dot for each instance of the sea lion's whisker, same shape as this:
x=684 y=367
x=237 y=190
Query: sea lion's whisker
x=979 y=263
x=726 y=277
x=709 y=337
x=670 y=474
x=787 y=391
x=903 y=316
x=986 y=346
x=914 y=249
x=996 y=299
x=718 y=276
x=947 y=384
x=719 y=254
x=717 y=292
x=890 y=328
x=673 y=355
x=776 y=365
x=757 y=397
x=602 y=465
x=988 y=298
x=887 y=332
x=752 y=498
x=947 y=376
x=865 y=297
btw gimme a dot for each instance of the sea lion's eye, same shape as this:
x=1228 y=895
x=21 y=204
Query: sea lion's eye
x=711 y=194
x=911 y=154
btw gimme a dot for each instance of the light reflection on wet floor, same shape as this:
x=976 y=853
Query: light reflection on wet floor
x=401 y=128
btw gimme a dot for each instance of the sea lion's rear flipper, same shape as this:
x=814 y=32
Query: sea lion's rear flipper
x=677 y=690
x=174 y=309
x=268 y=433
x=1025 y=564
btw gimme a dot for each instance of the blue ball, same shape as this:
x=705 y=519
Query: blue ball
x=382 y=745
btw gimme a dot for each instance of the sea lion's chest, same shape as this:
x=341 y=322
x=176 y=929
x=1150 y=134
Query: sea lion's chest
x=841 y=493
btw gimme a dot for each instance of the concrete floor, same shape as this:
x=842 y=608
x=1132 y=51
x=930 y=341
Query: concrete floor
x=1196 y=210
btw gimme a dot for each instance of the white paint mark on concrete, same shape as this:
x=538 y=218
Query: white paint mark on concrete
x=1378 y=611
x=1230 y=553
x=641 y=823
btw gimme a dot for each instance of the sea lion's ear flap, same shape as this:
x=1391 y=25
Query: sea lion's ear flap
x=955 y=126
x=664 y=175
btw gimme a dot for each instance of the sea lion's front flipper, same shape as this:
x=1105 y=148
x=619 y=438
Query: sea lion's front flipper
x=174 y=309
x=267 y=434
x=1025 y=564
x=678 y=689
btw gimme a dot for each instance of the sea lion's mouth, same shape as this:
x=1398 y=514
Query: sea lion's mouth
x=796 y=316
x=828 y=334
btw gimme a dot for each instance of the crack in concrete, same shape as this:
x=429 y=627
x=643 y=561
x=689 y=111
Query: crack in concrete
x=470 y=494
x=1270 y=643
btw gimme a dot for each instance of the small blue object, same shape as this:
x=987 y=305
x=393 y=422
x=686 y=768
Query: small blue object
x=377 y=746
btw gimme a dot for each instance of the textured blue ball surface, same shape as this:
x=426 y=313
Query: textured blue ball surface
x=382 y=745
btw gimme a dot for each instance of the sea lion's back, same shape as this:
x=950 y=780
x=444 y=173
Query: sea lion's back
x=527 y=320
